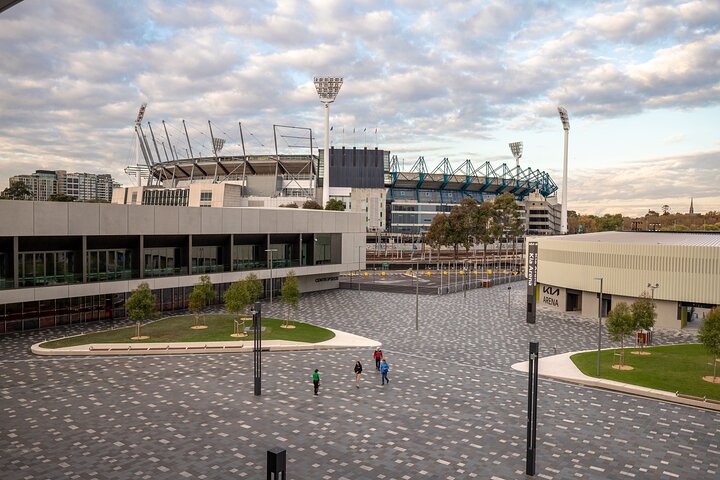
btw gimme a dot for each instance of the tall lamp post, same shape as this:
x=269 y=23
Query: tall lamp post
x=517 y=148
x=600 y=304
x=566 y=126
x=270 y=251
x=327 y=88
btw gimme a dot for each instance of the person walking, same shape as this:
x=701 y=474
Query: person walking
x=316 y=380
x=358 y=371
x=378 y=355
x=384 y=367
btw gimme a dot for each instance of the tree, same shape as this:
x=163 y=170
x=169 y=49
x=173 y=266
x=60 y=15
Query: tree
x=312 y=205
x=60 y=197
x=436 y=236
x=17 y=191
x=609 y=223
x=289 y=205
x=620 y=324
x=484 y=226
x=140 y=306
x=254 y=288
x=237 y=298
x=643 y=313
x=666 y=209
x=201 y=295
x=335 y=204
x=290 y=294
x=709 y=335
x=652 y=213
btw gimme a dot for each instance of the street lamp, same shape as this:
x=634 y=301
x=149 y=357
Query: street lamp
x=517 y=148
x=566 y=126
x=509 y=289
x=270 y=251
x=653 y=287
x=327 y=88
x=600 y=302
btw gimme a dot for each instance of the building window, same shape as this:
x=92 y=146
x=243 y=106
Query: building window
x=133 y=198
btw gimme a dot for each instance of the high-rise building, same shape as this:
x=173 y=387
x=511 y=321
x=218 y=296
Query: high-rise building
x=81 y=186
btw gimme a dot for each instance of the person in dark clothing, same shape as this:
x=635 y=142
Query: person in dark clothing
x=358 y=371
x=378 y=355
x=384 y=368
x=316 y=380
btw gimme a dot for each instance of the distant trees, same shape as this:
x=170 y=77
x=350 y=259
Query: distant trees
x=665 y=209
x=17 y=191
x=312 y=205
x=60 y=197
x=335 y=204
x=289 y=205
x=469 y=223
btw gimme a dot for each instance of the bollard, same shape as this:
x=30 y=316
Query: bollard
x=276 y=459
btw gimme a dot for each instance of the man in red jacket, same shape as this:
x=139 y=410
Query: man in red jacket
x=378 y=355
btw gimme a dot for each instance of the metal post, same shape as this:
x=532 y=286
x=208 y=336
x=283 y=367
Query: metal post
x=417 y=300
x=257 y=348
x=509 y=288
x=463 y=280
x=326 y=157
x=532 y=409
x=600 y=305
x=276 y=464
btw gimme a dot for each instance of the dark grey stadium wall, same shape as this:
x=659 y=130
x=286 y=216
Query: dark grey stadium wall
x=358 y=168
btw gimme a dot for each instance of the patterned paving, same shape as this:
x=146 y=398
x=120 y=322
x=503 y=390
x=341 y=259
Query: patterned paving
x=453 y=410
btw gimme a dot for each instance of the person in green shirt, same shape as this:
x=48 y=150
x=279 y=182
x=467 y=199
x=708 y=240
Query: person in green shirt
x=316 y=381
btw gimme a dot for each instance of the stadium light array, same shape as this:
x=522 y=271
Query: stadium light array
x=327 y=88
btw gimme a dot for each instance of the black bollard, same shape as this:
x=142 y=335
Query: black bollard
x=276 y=460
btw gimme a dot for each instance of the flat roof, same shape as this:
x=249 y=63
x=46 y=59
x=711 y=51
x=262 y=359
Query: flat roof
x=696 y=239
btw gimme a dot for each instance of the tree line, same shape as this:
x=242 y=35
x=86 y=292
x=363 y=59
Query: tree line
x=471 y=223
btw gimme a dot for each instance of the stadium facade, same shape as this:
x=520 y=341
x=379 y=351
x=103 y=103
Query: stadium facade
x=368 y=181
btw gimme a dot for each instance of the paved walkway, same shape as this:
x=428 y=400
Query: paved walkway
x=340 y=340
x=561 y=367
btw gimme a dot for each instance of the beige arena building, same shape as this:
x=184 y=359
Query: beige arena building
x=680 y=270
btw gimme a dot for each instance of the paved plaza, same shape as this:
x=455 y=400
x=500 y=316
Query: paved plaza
x=454 y=408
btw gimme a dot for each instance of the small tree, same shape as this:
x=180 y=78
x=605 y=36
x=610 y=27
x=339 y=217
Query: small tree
x=237 y=299
x=709 y=335
x=643 y=313
x=140 y=306
x=200 y=296
x=620 y=324
x=335 y=204
x=290 y=294
x=312 y=205
x=17 y=191
x=436 y=236
x=254 y=288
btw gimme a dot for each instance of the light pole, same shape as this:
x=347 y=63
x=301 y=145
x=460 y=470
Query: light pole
x=566 y=126
x=600 y=303
x=417 y=299
x=327 y=88
x=509 y=288
x=516 y=148
x=270 y=251
x=653 y=287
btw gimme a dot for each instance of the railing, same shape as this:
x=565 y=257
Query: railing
x=164 y=272
x=208 y=269
x=109 y=276
x=32 y=281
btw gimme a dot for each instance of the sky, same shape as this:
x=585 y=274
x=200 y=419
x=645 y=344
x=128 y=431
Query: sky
x=640 y=81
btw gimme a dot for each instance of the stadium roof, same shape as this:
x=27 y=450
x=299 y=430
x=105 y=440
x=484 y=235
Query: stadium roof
x=696 y=239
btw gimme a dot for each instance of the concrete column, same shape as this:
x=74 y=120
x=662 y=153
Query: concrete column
x=16 y=262
x=83 y=259
x=141 y=255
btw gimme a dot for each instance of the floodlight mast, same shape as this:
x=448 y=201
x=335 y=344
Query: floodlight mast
x=517 y=149
x=327 y=88
x=566 y=126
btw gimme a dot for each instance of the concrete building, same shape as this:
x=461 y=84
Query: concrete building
x=64 y=263
x=81 y=186
x=684 y=266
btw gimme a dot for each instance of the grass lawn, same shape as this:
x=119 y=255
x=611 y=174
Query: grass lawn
x=177 y=329
x=673 y=368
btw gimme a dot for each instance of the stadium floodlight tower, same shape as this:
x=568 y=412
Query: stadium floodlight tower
x=563 y=213
x=516 y=148
x=327 y=88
